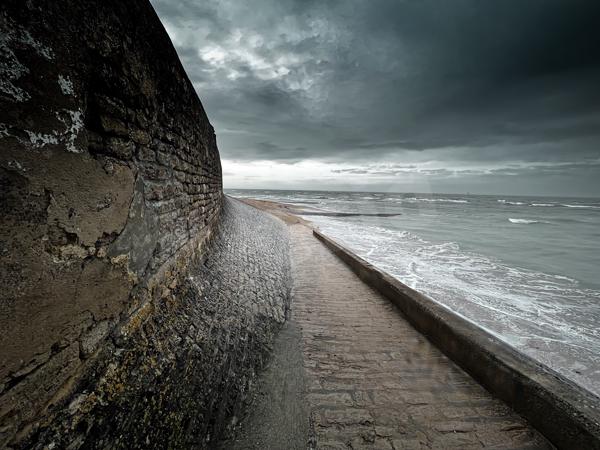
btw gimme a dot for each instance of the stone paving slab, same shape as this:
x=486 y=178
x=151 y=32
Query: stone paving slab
x=373 y=381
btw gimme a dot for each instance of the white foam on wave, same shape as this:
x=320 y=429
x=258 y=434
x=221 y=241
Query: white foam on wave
x=524 y=221
x=564 y=205
x=506 y=202
x=582 y=206
x=430 y=200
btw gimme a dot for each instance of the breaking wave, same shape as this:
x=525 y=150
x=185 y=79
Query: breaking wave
x=548 y=205
x=582 y=206
x=524 y=221
x=506 y=202
x=430 y=200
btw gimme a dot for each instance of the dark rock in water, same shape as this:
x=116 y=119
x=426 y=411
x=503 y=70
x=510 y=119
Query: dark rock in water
x=124 y=322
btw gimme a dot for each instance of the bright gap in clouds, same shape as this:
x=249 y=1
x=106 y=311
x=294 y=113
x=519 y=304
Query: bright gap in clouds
x=431 y=176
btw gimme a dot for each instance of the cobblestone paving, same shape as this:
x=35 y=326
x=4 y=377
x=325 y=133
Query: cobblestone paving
x=376 y=383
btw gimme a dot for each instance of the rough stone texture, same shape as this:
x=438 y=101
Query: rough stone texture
x=245 y=287
x=373 y=380
x=182 y=378
x=278 y=417
x=111 y=188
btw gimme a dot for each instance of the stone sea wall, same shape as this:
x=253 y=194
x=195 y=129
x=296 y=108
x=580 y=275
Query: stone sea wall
x=119 y=325
x=182 y=377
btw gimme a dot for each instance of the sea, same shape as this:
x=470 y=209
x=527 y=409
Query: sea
x=526 y=269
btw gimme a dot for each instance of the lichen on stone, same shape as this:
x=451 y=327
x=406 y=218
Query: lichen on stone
x=11 y=69
x=38 y=140
x=72 y=130
x=66 y=85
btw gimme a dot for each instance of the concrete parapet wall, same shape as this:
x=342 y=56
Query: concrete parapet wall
x=565 y=413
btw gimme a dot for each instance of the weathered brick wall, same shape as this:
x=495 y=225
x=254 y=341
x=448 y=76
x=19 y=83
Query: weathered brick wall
x=111 y=189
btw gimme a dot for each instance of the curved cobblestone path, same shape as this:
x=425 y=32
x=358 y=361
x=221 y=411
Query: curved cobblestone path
x=373 y=381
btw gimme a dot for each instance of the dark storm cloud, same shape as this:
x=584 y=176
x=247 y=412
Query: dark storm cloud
x=364 y=80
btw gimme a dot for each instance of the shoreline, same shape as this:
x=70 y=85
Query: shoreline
x=560 y=409
x=283 y=211
x=533 y=288
x=291 y=212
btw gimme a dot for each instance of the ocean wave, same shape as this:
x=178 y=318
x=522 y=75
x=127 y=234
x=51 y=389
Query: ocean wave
x=506 y=202
x=582 y=206
x=565 y=205
x=432 y=200
x=525 y=221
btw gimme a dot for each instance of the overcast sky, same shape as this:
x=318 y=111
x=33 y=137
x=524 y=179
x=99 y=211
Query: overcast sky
x=416 y=95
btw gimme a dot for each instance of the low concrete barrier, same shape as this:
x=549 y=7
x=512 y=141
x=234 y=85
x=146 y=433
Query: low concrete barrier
x=564 y=412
